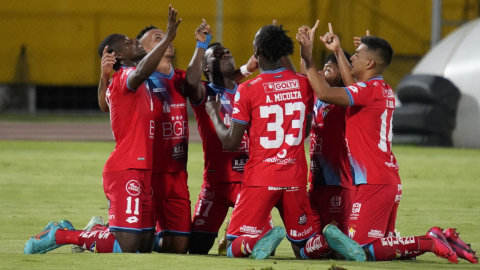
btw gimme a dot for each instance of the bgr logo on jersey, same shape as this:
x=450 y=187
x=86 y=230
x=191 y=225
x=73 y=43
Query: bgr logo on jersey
x=281 y=86
x=133 y=187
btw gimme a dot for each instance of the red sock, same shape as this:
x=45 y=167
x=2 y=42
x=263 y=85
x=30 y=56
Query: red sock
x=96 y=241
x=242 y=246
x=392 y=248
x=316 y=248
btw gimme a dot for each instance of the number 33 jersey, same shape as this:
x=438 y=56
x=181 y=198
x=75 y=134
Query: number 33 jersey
x=369 y=132
x=276 y=104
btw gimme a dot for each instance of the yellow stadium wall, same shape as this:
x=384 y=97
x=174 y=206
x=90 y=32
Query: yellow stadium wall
x=62 y=36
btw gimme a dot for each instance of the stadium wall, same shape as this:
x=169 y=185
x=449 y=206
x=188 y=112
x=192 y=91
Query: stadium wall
x=61 y=36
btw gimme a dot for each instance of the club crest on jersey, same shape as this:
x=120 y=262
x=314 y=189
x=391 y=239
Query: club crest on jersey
x=325 y=112
x=133 y=188
x=362 y=84
x=351 y=232
x=207 y=194
x=281 y=86
x=356 y=207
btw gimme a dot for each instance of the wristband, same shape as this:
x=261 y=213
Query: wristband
x=205 y=43
x=244 y=71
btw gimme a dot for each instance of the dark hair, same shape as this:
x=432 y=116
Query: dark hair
x=144 y=31
x=380 y=46
x=331 y=58
x=111 y=41
x=273 y=42
x=204 y=61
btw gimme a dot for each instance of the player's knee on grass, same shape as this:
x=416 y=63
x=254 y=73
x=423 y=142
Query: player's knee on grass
x=129 y=242
x=175 y=244
x=146 y=243
x=201 y=243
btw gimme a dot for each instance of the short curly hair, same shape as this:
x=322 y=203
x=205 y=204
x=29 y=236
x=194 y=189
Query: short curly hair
x=145 y=30
x=273 y=43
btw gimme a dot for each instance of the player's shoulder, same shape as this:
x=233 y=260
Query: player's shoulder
x=122 y=72
x=253 y=82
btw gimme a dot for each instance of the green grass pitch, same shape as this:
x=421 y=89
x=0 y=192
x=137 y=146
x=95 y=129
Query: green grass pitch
x=47 y=181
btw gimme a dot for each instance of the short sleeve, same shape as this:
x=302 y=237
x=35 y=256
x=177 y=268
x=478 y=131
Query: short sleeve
x=360 y=94
x=242 y=109
x=310 y=100
x=124 y=79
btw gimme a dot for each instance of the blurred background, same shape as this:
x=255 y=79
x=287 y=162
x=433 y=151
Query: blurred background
x=49 y=48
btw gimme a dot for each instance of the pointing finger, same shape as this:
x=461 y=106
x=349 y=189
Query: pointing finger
x=316 y=25
x=330 y=29
x=368 y=33
x=105 y=50
x=274 y=22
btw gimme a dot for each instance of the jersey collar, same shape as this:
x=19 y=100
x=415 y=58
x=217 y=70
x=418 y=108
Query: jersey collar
x=376 y=78
x=274 y=71
x=221 y=89
x=169 y=77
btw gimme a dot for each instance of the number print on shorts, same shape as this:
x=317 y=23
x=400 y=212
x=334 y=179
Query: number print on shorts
x=129 y=206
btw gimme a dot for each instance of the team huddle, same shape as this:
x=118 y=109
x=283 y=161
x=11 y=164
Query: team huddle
x=253 y=136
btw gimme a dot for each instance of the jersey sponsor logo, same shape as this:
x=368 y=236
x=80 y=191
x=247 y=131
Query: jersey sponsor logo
x=281 y=86
x=141 y=159
x=390 y=104
x=351 y=231
x=178 y=105
x=278 y=76
x=235 y=110
x=207 y=194
x=256 y=80
x=111 y=216
x=178 y=128
x=295 y=233
x=335 y=201
x=388 y=93
x=179 y=151
x=133 y=188
x=282 y=154
x=132 y=219
x=398 y=198
x=238 y=163
x=356 y=207
x=250 y=230
x=225 y=101
x=353 y=88
x=399 y=187
x=302 y=220
x=390 y=241
x=362 y=84
x=158 y=90
x=281 y=161
x=237 y=96
x=287 y=96
x=376 y=233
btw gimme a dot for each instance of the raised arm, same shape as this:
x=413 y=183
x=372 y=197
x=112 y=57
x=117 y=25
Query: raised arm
x=108 y=60
x=230 y=137
x=311 y=35
x=332 y=43
x=193 y=84
x=246 y=70
x=150 y=62
x=323 y=91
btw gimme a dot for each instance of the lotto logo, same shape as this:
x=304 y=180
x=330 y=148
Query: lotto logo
x=133 y=187
x=353 y=88
x=132 y=219
x=281 y=86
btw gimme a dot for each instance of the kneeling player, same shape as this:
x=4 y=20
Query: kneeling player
x=127 y=173
x=278 y=105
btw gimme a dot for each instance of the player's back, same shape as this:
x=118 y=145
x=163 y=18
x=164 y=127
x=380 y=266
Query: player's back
x=369 y=132
x=276 y=104
x=131 y=117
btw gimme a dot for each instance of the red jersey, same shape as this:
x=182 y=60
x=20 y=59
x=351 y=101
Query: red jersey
x=131 y=117
x=171 y=121
x=221 y=164
x=275 y=104
x=369 y=132
x=328 y=150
